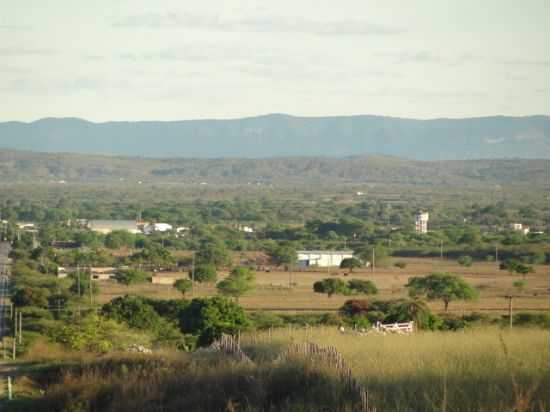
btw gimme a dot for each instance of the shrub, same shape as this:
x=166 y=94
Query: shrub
x=465 y=261
x=365 y=287
x=330 y=286
x=132 y=276
x=400 y=264
x=210 y=317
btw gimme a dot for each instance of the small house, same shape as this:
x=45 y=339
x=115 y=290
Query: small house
x=322 y=258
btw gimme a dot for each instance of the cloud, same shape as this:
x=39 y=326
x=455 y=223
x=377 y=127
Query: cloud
x=13 y=27
x=257 y=24
x=428 y=56
x=522 y=62
x=14 y=51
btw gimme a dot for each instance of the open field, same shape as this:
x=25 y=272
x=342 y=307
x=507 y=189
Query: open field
x=272 y=292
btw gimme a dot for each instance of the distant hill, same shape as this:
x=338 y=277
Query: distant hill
x=282 y=135
x=19 y=167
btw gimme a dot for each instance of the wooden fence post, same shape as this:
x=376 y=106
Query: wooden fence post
x=9 y=389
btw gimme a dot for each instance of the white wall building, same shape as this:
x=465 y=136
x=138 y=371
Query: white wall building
x=322 y=258
x=518 y=227
x=421 y=222
x=107 y=226
x=157 y=228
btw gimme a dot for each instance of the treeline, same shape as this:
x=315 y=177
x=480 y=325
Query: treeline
x=31 y=167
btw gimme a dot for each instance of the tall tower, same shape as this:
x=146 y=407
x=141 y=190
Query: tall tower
x=421 y=222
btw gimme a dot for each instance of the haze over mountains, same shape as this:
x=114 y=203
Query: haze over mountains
x=279 y=135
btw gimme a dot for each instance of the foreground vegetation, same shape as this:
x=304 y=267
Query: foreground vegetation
x=478 y=370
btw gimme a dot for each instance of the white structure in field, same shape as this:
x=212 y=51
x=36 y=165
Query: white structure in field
x=518 y=227
x=107 y=226
x=421 y=222
x=322 y=258
x=157 y=228
x=246 y=229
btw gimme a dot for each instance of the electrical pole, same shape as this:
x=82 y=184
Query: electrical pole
x=372 y=265
x=193 y=277
x=91 y=291
x=20 y=327
x=510 y=314
x=496 y=254
x=441 y=249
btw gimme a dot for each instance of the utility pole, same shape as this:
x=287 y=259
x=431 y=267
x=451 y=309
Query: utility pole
x=20 y=327
x=91 y=291
x=510 y=314
x=193 y=277
x=15 y=329
x=372 y=265
x=441 y=249
x=496 y=254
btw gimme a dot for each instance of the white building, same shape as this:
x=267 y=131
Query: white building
x=421 y=222
x=107 y=226
x=246 y=229
x=157 y=228
x=518 y=227
x=322 y=258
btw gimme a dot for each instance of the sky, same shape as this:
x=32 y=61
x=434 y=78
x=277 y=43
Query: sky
x=106 y=60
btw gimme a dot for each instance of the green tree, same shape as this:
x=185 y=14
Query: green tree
x=132 y=276
x=204 y=273
x=381 y=255
x=183 y=285
x=350 y=263
x=284 y=255
x=415 y=310
x=330 y=286
x=465 y=261
x=210 y=317
x=365 y=287
x=31 y=296
x=515 y=266
x=441 y=286
x=92 y=333
x=119 y=238
x=214 y=253
x=239 y=282
x=82 y=283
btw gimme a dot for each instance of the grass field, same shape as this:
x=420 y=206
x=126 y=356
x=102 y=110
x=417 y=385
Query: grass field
x=489 y=369
x=272 y=290
x=478 y=370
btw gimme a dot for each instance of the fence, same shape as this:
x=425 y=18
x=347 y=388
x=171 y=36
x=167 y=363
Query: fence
x=406 y=327
x=309 y=351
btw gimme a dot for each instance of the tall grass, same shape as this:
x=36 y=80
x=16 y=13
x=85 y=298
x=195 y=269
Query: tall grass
x=489 y=370
x=477 y=370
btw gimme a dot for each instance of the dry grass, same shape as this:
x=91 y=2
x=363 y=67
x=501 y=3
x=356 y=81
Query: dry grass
x=479 y=370
x=272 y=287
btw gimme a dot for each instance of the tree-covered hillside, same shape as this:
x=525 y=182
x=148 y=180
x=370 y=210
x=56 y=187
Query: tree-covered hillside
x=17 y=167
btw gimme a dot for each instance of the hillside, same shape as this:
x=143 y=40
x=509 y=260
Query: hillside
x=20 y=166
x=283 y=135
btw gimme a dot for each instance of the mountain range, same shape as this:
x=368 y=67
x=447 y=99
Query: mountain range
x=279 y=135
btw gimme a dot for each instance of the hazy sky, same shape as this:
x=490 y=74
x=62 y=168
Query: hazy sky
x=178 y=59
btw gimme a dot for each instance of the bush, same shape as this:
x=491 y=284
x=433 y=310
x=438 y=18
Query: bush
x=210 y=317
x=132 y=276
x=265 y=320
x=465 y=261
x=330 y=287
x=91 y=333
x=365 y=287
x=400 y=264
